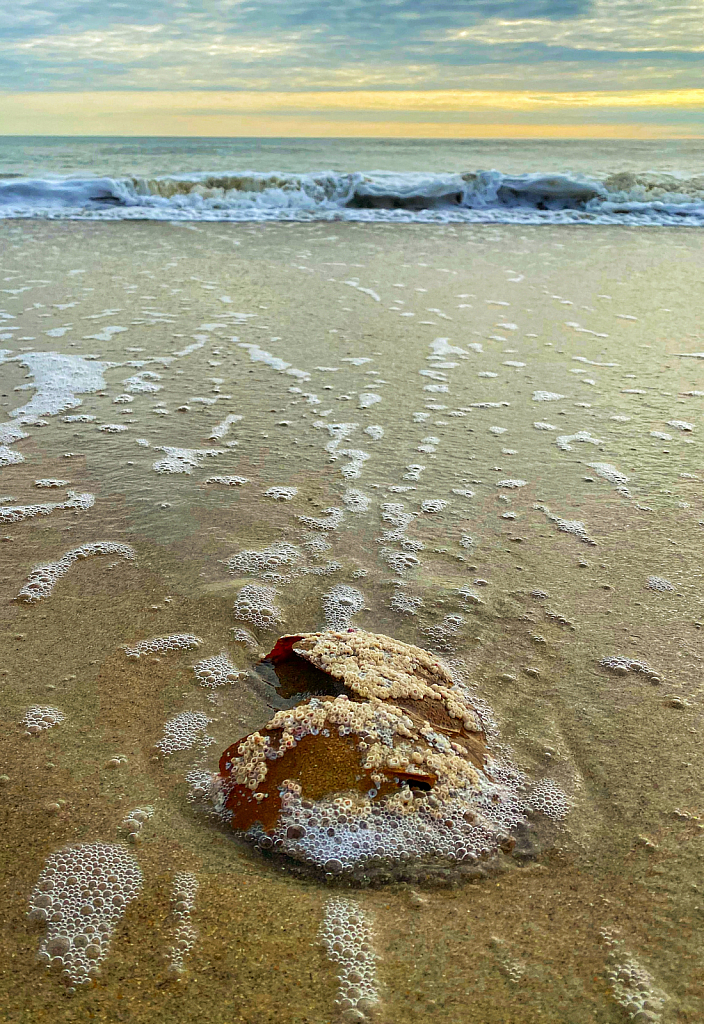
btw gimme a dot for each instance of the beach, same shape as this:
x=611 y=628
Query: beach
x=491 y=433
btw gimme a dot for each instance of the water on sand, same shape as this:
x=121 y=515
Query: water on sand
x=208 y=429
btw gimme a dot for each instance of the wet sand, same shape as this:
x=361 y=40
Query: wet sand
x=600 y=318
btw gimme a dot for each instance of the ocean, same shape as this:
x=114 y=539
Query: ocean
x=389 y=180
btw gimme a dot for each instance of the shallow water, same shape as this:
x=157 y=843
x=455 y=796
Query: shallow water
x=545 y=602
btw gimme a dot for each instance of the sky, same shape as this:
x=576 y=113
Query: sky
x=423 y=68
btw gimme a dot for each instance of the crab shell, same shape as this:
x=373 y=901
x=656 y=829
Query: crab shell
x=381 y=679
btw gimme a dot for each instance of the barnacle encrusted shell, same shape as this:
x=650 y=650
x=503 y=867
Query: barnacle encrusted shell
x=388 y=767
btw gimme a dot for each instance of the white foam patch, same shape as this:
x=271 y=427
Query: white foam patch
x=184 y=731
x=260 y=355
x=159 y=644
x=182 y=460
x=41 y=717
x=281 y=493
x=43 y=578
x=367 y=399
x=340 y=604
x=16 y=513
x=269 y=558
x=184 y=936
x=564 y=441
x=227 y=481
x=375 y=432
x=573 y=526
x=57 y=381
x=144 y=383
x=81 y=895
x=346 y=936
x=356 y=501
x=257 y=604
x=332 y=519
x=546 y=396
x=223 y=428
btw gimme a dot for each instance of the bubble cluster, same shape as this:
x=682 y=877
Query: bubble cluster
x=546 y=396
x=183 y=731
x=399 y=561
x=573 y=526
x=681 y=425
x=40 y=717
x=216 y=671
x=355 y=500
x=431 y=505
x=402 y=602
x=113 y=428
x=227 y=481
x=281 y=493
x=257 y=604
x=183 y=896
x=16 y=513
x=340 y=604
x=511 y=484
x=632 y=986
x=334 y=517
x=133 y=823
x=614 y=476
x=660 y=584
x=42 y=579
x=51 y=482
x=622 y=666
x=549 y=799
x=82 y=893
x=445 y=631
x=277 y=554
x=243 y=636
x=346 y=936
x=159 y=644
x=182 y=460
x=8 y=457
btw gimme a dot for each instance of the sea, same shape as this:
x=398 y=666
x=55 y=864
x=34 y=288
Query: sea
x=394 y=180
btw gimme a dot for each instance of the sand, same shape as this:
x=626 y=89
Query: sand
x=608 y=319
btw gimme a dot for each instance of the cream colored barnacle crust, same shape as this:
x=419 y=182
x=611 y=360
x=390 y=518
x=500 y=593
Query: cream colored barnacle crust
x=373 y=665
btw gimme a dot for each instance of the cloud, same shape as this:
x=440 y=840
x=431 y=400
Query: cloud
x=329 y=44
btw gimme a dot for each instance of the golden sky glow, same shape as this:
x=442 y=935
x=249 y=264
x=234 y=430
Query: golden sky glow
x=468 y=114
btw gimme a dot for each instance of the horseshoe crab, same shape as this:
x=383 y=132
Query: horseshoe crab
x=382 y=769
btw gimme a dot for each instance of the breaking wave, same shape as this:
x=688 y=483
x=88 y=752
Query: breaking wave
x=480 y=196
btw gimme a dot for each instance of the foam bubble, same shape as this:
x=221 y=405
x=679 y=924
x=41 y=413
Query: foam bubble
x=333 y=518
x=183 y=731
x=43 y=578
x=183 y=460
x=340 y=604
x=16 y=513
x=227 y=481
x=41 y=717
x=159 y=644
x=257 y=604
x=281 y=493
x=346 y=936
x=573 y=526
x=183 y=896
x=81 y=895
x=277 y=554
